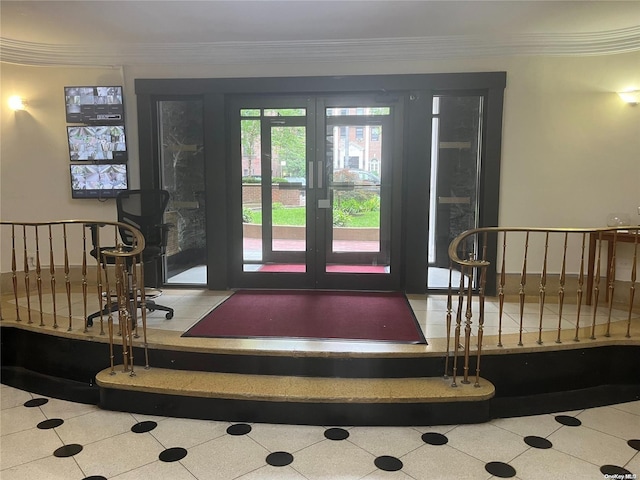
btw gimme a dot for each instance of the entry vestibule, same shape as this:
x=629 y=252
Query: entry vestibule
x=437 y=176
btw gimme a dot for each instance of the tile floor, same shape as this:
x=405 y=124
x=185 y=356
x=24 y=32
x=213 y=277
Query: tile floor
x=46 y=438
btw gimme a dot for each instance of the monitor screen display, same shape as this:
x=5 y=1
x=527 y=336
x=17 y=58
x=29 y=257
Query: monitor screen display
x=97 y=143
x=103 y=180
x=93 y=104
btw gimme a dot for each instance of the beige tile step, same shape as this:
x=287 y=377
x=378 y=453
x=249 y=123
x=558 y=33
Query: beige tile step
x=294 y=389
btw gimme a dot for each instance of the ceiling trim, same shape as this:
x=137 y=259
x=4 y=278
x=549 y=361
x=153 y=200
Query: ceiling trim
x=362 y=50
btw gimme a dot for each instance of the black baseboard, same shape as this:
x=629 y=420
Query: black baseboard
x=553 y=402
x=296 y=413
x=49 y=386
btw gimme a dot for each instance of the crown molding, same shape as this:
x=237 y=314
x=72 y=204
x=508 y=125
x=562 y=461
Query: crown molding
x=362 y=50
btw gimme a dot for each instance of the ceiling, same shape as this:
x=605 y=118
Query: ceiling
x=138 y=32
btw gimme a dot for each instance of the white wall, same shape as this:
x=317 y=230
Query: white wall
x=571 y=147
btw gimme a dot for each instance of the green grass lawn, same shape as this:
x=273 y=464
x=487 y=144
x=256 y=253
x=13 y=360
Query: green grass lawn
x=296 y=217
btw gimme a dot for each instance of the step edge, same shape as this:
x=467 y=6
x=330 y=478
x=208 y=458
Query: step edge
x=294 y=389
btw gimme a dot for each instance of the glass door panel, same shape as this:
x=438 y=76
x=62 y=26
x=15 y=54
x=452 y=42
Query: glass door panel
x=288 y=214
x=455 y=170
x=274 y=172
x=357 y=156
x=316 y=194
x=182 y=174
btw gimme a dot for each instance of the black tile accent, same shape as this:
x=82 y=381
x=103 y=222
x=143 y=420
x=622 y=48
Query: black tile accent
x=95 y=477
x=279 y=459
x=433 y=438
x=239 y=429
x=388 y=463
x=143 y=427
x=36 y=402
x=537 y=442
x=51 y=423
x=336 y=434
x=68 y=450
x=500 y=469
x=614 y=470
x=568 y=420
x=173 y=454
x=635 y=444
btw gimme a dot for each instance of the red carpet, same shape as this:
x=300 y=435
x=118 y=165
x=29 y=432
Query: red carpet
x=315 y=314
x=299 y=267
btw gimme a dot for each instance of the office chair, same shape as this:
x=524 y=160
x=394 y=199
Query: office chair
x=144 y=210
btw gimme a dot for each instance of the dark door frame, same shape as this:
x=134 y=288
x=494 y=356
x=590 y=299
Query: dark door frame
x=417 y=89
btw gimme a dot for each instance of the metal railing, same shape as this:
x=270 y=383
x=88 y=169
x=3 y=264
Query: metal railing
x=533 y=264
x=63 y=271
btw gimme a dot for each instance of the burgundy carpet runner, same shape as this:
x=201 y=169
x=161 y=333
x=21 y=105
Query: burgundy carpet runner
x=322 y=315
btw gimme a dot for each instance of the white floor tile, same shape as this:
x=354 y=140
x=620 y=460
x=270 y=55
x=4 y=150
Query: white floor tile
x=334 y=459
x=286 y=438
x=49 y=468
x=157 y=471
x=487 y=442
x=26 y=446
x=225 y=457
x=118 y=454
x=535 y=464
x=186 y=433
x=591 y=445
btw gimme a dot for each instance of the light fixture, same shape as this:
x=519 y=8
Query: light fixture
x=631 y=97
x=17 y=103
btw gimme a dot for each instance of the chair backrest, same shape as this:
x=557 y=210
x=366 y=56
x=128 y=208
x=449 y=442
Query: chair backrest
x=144 y=209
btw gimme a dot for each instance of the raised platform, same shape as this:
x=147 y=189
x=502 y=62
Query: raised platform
x=321 y=382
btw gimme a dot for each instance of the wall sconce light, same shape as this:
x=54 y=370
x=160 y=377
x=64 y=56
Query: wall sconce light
x=17 y=103
x=632 y=97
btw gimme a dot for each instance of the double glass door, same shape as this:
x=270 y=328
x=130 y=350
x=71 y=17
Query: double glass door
x=315 y=205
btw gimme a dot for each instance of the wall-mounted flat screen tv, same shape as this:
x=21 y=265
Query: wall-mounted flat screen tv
x=103 y=180
x=94 y=104
x=96 y=143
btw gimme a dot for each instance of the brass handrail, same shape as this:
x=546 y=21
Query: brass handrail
x=468 y=257
x=118 y=267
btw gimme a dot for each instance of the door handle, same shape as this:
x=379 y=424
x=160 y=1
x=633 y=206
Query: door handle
x=454 y=200
x=320 y=173
x=310 y=174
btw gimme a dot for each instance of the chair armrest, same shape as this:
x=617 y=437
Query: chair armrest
x=160 y=235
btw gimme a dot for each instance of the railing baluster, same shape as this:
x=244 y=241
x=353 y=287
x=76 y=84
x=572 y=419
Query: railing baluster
x=563 y=272
x=143 y=308
x=456 y=337
x=612 y=279
x=14 y=270
x=596 y=289
x=632 y=287
x=501 y=287
x=580 y=285
x=85 y=312
x=481 y=290
x=523 y=284
x=67 y=279
x=467 y=327
x=448 y=322
x=52 y=273
x=100 y=302
x=27 y=281
x=543 y=287
x=39 y=276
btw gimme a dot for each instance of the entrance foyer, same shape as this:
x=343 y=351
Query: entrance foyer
x=355 y=183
